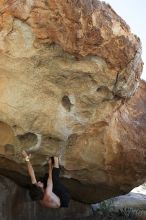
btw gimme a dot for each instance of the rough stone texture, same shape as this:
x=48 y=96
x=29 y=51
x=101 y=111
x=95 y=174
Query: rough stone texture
x=70 y=86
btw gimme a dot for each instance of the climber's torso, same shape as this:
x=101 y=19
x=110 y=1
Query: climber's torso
x=50 y=200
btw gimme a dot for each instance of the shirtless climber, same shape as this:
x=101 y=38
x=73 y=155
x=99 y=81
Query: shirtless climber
x=48 y=190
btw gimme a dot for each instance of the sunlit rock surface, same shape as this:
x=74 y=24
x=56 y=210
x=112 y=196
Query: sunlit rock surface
x=70 y=86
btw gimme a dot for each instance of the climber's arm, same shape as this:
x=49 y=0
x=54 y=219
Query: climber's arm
x=29 y=167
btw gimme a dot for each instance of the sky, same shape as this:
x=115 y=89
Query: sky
x=134 y=13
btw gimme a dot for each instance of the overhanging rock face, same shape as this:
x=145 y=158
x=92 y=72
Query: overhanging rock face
x=70 y=86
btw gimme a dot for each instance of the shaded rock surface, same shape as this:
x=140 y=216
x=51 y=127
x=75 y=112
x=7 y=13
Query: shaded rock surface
x=16 y=204
x=70 y=86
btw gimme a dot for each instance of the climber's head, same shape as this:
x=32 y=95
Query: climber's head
x=36 y=191
x=40 y=184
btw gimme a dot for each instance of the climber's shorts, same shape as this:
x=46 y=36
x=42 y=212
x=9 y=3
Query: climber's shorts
x=59 y=189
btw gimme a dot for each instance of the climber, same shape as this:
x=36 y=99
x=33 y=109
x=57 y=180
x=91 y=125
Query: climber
x=48 y=190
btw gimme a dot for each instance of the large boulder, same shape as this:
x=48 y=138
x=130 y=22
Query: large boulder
x=70 y=86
